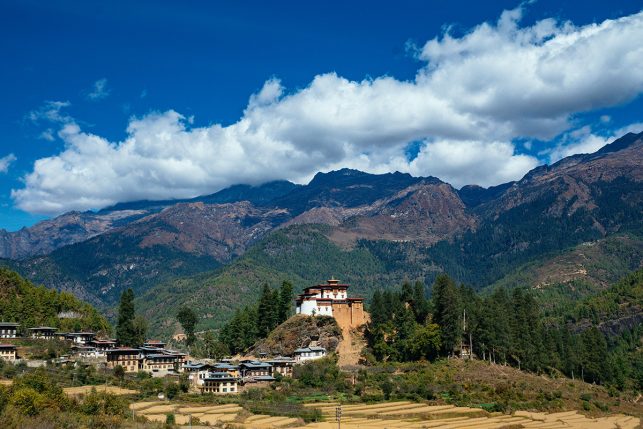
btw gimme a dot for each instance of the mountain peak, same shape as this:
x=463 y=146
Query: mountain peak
x=621 y=143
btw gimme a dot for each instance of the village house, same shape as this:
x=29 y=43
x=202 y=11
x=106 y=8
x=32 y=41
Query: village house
x=331 y=300
x=281 y=365
x=227 y=367
x=126 y=357
x=309 y=353
x=219 y=383
x=80 y=337
x=251 y=369
x=8 y=329
x=154 y=343
x=42 y=333
x=197 y=372
x=160 y=363
x=8 y=352
x=102 y=346
x=84 y=352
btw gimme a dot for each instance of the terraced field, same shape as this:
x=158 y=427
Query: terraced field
x=389 y=415
x=84 y=390
x=210 y=415
x=417 y=415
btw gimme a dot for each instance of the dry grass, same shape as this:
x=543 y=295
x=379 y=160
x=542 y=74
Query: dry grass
x=84 y=390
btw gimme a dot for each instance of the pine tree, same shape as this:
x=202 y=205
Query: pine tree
x=420 y=305
x=377 y=310
x=188 y=320
x=266 y=312
x=285 y=301
x=125 y=333
x=447 y=312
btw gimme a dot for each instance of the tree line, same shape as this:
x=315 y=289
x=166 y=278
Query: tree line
x=504 y=327
x=29 y=305
x=254 y=322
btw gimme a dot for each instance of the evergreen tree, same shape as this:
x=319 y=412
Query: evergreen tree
x=420 y=304
x=139 y=329
x=266 y=312
x=447 y=313
x=377 y=310
x=285 y=301
x=125 y=333
x=188 y=320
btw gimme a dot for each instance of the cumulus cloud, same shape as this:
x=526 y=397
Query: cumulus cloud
x=6 y=161
x=472 y=96
x=99 y=90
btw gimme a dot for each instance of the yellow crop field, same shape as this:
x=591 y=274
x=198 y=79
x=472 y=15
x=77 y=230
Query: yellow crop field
x=84 y=390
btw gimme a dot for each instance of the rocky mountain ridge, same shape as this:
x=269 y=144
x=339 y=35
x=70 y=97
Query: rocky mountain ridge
x=141 y=244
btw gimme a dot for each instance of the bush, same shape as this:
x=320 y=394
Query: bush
x=101 y=403
x=27 y=401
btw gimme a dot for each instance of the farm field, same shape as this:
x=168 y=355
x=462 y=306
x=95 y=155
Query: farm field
x=83 y=390
x=411 y=415
x=392 y=415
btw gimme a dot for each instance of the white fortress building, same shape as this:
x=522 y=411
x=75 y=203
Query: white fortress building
x=331 y=300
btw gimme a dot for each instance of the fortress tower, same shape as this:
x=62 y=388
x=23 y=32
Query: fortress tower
x=331 y=300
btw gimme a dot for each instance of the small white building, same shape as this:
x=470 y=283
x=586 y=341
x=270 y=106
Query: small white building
x=8 y=329
x=219 y=383
x=8 y=352
x=80 y=337
x=305 y=354
x=43 y=333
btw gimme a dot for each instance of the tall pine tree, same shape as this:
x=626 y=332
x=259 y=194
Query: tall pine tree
x=447 y=313
x=285 y=301
x=125 y=330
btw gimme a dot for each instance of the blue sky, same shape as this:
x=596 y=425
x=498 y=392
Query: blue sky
x=116 y=97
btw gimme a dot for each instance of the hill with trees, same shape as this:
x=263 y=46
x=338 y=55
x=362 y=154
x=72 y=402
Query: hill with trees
x=23 y=302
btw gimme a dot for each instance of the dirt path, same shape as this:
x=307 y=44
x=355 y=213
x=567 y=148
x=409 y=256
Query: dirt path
x=350 y=347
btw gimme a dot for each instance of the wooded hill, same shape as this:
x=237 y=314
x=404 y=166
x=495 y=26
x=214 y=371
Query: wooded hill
x=29 y=305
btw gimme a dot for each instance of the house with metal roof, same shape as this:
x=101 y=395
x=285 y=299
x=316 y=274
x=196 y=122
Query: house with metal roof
x=309 y=353
x=8 y=329
x=219 y=383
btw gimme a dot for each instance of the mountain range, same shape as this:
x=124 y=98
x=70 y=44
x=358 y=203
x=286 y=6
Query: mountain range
x=373 y=230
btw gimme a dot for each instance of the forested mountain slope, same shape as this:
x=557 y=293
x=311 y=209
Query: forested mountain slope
x=369 y=230
x=23 y=302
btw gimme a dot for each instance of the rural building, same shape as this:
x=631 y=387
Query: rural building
x=309 y=353
x=102 y=346
x=84 y=352
x=124 y=356
x=281 y=365
x=80 y=337
x=154 y=343
x=42 y=333
x=254 y=368
x=219 y=383
x=8 y=329
x=8 y=352
x=160 y=363
x=197 y=372
x=231 y=369
x=332 y=300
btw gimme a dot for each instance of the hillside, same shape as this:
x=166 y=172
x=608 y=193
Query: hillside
x=370 y=230
x=299 y=331
x=23 y=302
x=614 y=310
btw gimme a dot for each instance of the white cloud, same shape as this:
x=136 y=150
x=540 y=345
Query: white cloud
x=6 y=161
x=50 y=111
x=583 y=140
x=464 y=162
x=472 y=98
x=99 y=90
